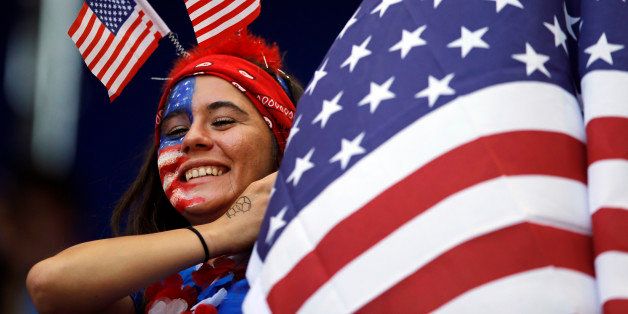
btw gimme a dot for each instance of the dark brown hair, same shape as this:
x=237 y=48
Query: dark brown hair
x=144 y=207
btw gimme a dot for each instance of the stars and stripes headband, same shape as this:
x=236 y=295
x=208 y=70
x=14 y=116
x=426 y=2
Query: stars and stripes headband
x=228 y=61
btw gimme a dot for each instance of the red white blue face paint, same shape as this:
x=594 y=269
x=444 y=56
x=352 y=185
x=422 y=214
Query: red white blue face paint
x=170 y=156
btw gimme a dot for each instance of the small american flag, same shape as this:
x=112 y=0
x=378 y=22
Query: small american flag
x=213 y=17
x=115 y=37
x=438 y=162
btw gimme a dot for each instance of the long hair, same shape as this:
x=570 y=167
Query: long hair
x=144 y=207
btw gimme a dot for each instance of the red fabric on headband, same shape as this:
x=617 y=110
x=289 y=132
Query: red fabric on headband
x=268 y=97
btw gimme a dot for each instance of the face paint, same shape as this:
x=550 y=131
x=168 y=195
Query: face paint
x=170 y=157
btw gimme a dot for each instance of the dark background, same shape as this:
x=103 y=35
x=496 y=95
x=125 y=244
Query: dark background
x=43 y=209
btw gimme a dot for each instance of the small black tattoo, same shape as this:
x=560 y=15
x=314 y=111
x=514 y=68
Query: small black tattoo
x=242 y=204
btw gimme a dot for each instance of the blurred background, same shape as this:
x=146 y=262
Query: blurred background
x=66 y=153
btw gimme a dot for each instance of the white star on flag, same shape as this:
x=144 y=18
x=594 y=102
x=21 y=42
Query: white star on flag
x=301 y=166
x=357 y=53
x=436 y=88
x=500 y=4
x=329 y=107
x=377 y=94
x=276 y=222
x=559 y=36
x=348 y=149
x=534 y=61
x=437 y=3
x=409 y=40
x=351 y=21
x=570 y=21
x=318 y=75
x=294 y=130
x=602 y=50
x=383 y=6
x=469 y=40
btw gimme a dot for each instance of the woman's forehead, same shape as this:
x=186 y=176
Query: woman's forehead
x=181 y=95
x=202 y=91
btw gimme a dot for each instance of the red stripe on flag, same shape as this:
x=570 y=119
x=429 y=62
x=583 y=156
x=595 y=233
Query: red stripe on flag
x=102 y=51
x=88 y=29
x=77 y=22
x=97 y=38
x=147 y=53
x=239 y=25
x=123 y=41
x=616 y=306
x=607 y=138
x=610 y=226
x=130 y=54
x=231 y=14
x=484 y=259
x=195 y=7
x=512 y=153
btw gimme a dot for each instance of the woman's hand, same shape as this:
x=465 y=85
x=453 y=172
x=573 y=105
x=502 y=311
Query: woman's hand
x=237 y=229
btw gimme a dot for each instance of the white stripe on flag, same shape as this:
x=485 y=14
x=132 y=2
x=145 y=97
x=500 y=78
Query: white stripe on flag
x=612 y=269
x=79 y=32
x=480 y=209
x=234 y=20
x=206 y=7
x=116 y=41
x=90 y=37
x=554 y=290
x=530 y=106
x=604 y=94
x=123 y=55
x=214 y=17
x=103 y=39
x=610 y=179
x=133 y=60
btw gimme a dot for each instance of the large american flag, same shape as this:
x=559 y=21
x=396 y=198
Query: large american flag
x=115 y=37
x=603 y=69
x=438 y=162
x=213 y=17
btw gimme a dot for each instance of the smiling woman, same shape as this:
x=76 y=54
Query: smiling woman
x=210 y=170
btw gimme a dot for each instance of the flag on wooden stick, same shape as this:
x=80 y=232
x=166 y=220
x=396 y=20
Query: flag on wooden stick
x=115 y=37
x=210 y=18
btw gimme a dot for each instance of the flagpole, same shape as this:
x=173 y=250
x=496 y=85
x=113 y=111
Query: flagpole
x=175 y=41
x=163 y=28
x=159 y=23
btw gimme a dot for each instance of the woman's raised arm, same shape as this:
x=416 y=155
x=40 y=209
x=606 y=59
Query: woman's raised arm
x=97 y=275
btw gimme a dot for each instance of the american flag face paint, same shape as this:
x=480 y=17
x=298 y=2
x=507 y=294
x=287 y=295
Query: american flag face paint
x=170 y=156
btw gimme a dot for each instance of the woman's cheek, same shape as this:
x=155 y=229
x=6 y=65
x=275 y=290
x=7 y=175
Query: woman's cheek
x=180 y=195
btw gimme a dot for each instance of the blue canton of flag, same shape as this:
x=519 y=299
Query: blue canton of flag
x=438 y=162
x=112 y=12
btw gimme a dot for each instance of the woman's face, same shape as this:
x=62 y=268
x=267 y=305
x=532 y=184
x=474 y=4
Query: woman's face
x=213 y=144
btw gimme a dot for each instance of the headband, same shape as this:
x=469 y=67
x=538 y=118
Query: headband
x=266 y=94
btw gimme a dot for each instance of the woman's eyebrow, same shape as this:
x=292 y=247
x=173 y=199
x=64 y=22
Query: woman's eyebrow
x=225 y=104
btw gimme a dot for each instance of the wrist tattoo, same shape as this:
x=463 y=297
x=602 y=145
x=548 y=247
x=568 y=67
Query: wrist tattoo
x=242 y=204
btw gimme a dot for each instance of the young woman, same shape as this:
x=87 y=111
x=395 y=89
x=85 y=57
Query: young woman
x=221 y=127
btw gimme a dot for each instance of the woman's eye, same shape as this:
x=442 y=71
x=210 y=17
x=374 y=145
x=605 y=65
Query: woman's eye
x=223 y=121
x=177 y=131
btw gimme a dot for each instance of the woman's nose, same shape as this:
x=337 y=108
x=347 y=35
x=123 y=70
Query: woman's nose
x=197 y=138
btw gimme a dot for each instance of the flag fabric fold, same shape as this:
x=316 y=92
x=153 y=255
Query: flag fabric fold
x=440 y=161
x=210 y=18
x=603 y=64
x=115 y=37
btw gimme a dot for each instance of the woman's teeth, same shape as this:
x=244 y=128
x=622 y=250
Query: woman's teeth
x=201 y=172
